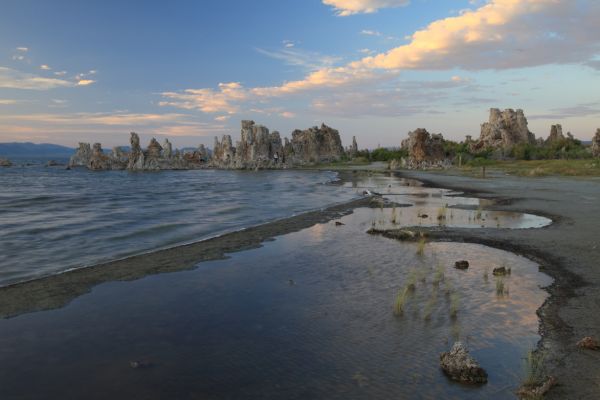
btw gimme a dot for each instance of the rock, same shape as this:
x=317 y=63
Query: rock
x=353 y=149
x=425 y=150
x=167 y=149
x=596 y=144
x=154 y=149
x=555 y=134
x=5 y=162
x=463 y=264
x=504 y=130
x=338 y=223
x=537 y=392
x=394 y=164
x=589 y=342
x=99 y=161
x=458 y=365
x=82 y=156
x=501 y=271
x=315 y=145
x=136 y=155
x=53 y=163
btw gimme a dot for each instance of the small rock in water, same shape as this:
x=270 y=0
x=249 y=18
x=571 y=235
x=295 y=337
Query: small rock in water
x=463 y=264
x=501 y=271
x=139 y=364
x=291 y=282
x=589 y=342
x=461 y=367
x=338 y=223
x=423 y=216
x=5 y=162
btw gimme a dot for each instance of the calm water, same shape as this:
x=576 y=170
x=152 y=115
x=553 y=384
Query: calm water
x=52 y=219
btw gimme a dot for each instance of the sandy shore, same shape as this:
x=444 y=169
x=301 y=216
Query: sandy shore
x=568 y=250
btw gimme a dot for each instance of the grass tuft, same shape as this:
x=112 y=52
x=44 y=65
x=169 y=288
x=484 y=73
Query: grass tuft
x=421 y=246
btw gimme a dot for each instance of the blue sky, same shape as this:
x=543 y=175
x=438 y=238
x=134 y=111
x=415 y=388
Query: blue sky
x=93 y=71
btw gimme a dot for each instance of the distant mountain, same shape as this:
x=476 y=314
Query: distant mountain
x=26 y=149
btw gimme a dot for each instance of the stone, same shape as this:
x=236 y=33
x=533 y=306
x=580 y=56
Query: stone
x=394 y=164
x=463 y=264
x=154 y=149
x=501 y=271
x=459 y=366
x=99 y=161
x=82 y=156
x=589 y=342
x=425 y=150
x=136 y=155
x=315 y=145
x=596 y=144
x=555 y=134
x=504 y=130
x=5 y=162
x=167 y=149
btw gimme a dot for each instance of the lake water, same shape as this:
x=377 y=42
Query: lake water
x=52 y=219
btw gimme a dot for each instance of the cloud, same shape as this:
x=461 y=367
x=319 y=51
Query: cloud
x=501 y=34
x=60 y=73
x=296 y=57
x=13 y=79
x=45 y=67
x=6 y=102
x=85 y=82
x=580 y=110
x=23 y=49
x=369 y=32
x=344 y=8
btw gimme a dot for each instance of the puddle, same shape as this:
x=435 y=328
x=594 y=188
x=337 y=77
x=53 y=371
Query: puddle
x=308 y=315
x=438 y=207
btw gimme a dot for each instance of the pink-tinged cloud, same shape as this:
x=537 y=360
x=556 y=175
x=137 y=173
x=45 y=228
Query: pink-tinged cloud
x=344 y=8
x=501 y=34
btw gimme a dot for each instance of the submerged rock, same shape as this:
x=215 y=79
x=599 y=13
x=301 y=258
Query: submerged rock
x=463 y=264
x=458 y=365
x=503 y=130
x=501 y=271
x=5 y=162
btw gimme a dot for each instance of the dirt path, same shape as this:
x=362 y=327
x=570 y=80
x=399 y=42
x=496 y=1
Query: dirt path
x=569 y=250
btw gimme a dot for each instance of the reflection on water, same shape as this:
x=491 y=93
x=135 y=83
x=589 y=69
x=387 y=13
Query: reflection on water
x=309 y=315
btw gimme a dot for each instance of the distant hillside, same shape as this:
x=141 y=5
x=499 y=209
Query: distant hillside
x=26 y=149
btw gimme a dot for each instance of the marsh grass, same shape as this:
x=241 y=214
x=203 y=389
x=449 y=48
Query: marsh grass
x=535 y=373
x=438 y=276
x=502 y=288
x=441 y=213
x=421 y=246
x=429 y=306
x=394 y=216
x=454 y=304
x=478 y=213
x=486 y=275
x=401 y=299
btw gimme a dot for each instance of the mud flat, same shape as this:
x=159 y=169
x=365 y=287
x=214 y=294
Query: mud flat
x=568 y=250
x=303 y=307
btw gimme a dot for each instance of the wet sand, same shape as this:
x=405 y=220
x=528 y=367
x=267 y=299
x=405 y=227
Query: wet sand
x=568 y=250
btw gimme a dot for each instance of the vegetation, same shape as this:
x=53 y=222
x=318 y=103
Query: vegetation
x=421 y=246
x=383 y=154
x=535 y=373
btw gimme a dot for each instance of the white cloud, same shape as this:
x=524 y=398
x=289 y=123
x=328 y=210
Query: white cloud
x=13 y=79
x=85 y=82
x=23 y=49
x=344 y=8
x=45 y=67
x=501 y=34
x=60 y=73
x=369 y=32
x=6 y=102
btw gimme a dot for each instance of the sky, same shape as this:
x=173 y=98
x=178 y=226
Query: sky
x=92 y=71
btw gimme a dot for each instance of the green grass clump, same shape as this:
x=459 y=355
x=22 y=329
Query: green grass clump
x=535 y=373
x=454 y=304
x=421 y=246
x=401 y=299
x=438 y=276
x=501 y=288
x=428 y=311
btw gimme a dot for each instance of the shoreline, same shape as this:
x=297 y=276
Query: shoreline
x=56 y=291
x=558 y=333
